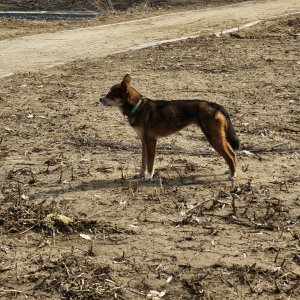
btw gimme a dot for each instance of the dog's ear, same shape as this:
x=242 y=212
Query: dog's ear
x=127 y=79
x=128 y=92
x=125 y=84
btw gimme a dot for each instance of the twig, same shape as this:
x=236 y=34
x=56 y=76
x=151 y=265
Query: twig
x=19 y=190
x=244 y=212
x=275 y=260
x=135 y=291
x=283 y=262
x=33 y=180
x=67 y=269
x=246 y=224
x=263 y=150
x=162 y=188
x=72 y=173
x=291 y=129
x=89 y=172
x=28 y=229
x=195 y=207
x=252 y=290
x=201 y=204
x=10 y=291
x=262 y=226
x=233 y=205
x=141 y=212
x=245 y=168
x=90 y=251
x=122 y=173
x=180 y=176
x=293 y=287
x=61 y=174
x=277 y=290
x=227 y=282
x=15 y=258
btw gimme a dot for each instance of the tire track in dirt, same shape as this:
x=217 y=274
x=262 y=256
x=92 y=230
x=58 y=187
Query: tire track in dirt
x=37 y=52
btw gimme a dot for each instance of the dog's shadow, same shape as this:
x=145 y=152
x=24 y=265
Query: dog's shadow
x=105 y=184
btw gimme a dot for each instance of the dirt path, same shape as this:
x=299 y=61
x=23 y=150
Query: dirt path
x=42 y=51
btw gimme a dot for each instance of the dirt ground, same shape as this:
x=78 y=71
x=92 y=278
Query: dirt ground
x=12 y=28
x=41 y=51
x=76 y=224
x=105 y=5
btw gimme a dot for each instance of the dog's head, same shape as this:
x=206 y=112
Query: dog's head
x=121 y=94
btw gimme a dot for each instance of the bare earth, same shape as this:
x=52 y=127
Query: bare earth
x=42 y=51
x=67 y=167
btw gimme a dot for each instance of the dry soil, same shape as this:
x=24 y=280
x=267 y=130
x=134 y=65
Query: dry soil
x=76 y=224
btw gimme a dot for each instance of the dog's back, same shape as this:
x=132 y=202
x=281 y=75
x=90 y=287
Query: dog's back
x=177 y=114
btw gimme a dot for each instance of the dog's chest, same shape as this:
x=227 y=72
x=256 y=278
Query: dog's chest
x=139 y=132
x=134 y=121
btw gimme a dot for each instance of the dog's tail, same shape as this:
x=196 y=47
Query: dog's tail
x=231 y=135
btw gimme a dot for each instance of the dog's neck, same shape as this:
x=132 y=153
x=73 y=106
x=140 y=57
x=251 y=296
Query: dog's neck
x=129 y=110
x=133 y=104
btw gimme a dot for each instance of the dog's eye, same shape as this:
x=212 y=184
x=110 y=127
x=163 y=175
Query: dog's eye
x=113 y=97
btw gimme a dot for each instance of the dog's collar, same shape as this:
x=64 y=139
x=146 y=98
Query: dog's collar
x=135 y=108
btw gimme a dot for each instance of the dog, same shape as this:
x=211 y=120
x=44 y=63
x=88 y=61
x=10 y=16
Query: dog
x=153 y=119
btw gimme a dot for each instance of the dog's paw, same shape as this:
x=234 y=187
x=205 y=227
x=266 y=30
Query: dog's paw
x=147 y=176
x=230 y=177
x=138 y=175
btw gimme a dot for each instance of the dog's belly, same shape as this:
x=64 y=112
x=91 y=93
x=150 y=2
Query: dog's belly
x=168 y=128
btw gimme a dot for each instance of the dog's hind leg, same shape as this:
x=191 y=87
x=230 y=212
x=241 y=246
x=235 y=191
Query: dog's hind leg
x=223 y=148
x=216 y=134
x=151 y=149
x=232 y=154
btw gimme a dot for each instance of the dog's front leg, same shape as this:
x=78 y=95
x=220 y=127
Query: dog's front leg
x=151 y=149
x=144 y=158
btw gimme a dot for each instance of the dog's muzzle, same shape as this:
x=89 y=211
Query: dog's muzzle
x=103 y=100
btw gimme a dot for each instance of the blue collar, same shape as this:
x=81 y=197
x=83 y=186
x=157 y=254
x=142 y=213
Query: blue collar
x=135 y=108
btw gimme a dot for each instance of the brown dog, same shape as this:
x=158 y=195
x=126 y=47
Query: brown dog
x=154 y=119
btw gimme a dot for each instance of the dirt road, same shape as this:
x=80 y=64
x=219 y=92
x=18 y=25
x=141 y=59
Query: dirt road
x=42 y=51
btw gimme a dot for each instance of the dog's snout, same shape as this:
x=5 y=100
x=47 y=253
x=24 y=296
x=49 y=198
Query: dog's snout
x=104 y=100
